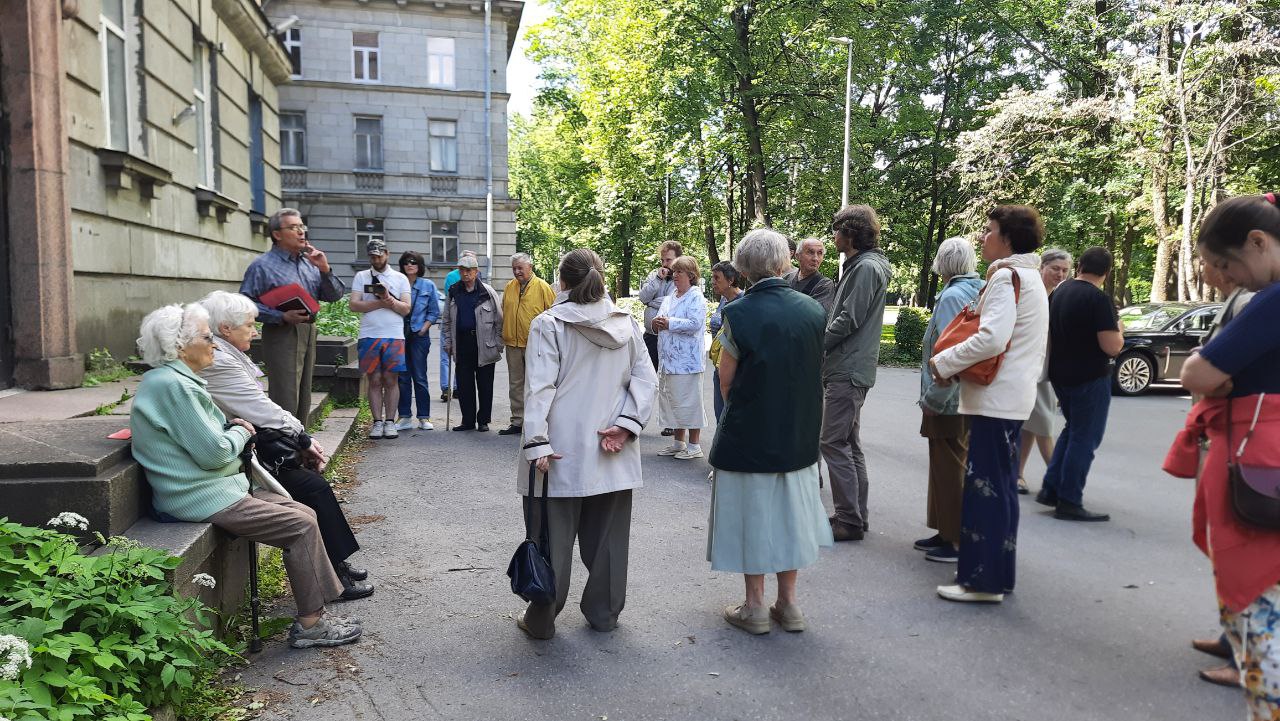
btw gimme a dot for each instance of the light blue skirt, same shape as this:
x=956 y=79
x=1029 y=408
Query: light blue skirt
x=766 y=522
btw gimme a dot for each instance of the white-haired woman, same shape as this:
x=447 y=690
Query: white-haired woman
x=766 y=511
x=191 y=458
x=1055 y=267
x=282 y=443
x=681 y=324
x=947 y=431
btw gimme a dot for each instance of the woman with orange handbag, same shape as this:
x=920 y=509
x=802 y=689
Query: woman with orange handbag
x=997 y=364
x=1236 y=518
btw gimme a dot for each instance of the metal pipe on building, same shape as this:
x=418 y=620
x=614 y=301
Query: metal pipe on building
x=488 y=137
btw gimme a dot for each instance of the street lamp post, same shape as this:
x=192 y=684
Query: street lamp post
x=848 y=100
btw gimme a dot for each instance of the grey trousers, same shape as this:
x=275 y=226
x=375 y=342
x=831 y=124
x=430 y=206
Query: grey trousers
x=277 y=521
x=602 y=526
x=290 y=355
x=515 y=383
x=841 y=449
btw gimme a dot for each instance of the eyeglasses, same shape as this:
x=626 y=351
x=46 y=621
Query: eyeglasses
x=297 y=228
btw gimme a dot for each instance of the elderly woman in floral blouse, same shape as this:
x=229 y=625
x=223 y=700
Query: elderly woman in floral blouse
x=681 y=324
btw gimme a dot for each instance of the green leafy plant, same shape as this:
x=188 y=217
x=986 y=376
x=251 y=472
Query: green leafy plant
x=106 y=635
x=338 y=319
x=102 y=367
x=908 y=332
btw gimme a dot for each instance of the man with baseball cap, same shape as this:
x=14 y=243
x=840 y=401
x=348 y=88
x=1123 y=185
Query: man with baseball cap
x=381 y=295
x=473 y=336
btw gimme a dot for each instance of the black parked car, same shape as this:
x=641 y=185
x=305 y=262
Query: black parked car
x=1158 y=338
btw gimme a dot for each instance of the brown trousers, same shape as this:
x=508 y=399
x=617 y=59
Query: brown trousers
x=515 y=381
x=289 y=352
x=948 y=452
x=277 y=521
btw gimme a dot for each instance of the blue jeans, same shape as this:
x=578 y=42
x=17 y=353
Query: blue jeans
x=1085 y=407
x=413 y=382
x=444 y=363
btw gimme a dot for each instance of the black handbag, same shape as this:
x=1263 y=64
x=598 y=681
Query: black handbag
x=1255 y=490
x=277 y=450
x=532 y=577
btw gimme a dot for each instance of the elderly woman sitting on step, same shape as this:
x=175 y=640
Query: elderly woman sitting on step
x=283 y=445
x=191 y=457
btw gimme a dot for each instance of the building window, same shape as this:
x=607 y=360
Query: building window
x=443 y=147
x=116 y=66
x=202 y=91
x=368 y=143
x=440 y=62
x=364 y=57
x=367 y=229
x=293 y=140
x=444 y=242
x=292 y=39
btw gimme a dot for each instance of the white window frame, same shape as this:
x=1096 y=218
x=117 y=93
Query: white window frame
x=441 y=238
x=368 y=144
x=300 y=143
x=202 y=91
x=441 y=147
x=292 y=39
x=360 y=55
x=441 y=65
x=107 y=27
x=364 y=236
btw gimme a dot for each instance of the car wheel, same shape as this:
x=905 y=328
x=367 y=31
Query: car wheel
x=1134 y=373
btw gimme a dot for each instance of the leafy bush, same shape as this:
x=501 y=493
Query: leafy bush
x=107 y=638
x=908 y=332
x=102 y=367
x=338 y=319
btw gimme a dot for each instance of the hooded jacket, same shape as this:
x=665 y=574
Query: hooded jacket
x=1021 y=326
x=586 y=369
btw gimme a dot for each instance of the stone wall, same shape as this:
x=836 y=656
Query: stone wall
x=142 y=238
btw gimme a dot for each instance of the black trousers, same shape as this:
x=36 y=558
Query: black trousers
x=472 y=379
x=313 y=491
x=651 y=343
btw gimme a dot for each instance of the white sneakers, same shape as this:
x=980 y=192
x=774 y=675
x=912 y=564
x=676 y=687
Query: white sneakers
x=405 y=424
x=689 y=452
x=376 y=430
x=425 y=425
x=672 y=449
x=389 y=430
x=960 y=593
x=408 y=424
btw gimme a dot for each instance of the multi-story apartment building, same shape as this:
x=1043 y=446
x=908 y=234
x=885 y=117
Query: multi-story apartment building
x=382 y=127
x=138 y=158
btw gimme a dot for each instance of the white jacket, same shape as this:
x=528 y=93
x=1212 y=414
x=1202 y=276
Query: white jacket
x=1023 y=328
x=586 y=368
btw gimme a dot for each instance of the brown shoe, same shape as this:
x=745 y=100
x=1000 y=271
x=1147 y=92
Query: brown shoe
x=1213 y=647
x=842 y=531
x=1224 y=675
x=754 y=621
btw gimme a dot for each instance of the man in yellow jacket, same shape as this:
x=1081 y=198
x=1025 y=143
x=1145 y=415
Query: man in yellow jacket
x=524 y=298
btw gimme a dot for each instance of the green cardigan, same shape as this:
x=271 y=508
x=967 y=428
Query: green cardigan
x=192 y=464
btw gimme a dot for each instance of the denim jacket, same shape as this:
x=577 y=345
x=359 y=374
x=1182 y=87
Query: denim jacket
x=959 y=292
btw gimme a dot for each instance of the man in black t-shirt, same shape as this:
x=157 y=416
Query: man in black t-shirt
x=1084 y=335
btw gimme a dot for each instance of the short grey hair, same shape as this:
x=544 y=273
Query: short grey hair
x=522 y=258
x=819 y=241
x=1053 y=255
x=276 y=221
x=955 y=257
x=168 y=329
x=762 y=253
x=230 y=309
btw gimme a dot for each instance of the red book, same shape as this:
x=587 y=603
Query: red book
x=290 y=297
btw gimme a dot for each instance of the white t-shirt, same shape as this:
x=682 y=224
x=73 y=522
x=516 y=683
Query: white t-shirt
x=382 y=322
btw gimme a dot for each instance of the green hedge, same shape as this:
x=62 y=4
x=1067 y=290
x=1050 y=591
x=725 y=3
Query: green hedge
x=908 y=332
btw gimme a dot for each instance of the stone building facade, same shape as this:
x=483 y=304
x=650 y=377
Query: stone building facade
x=383 y=127
x=141 y=158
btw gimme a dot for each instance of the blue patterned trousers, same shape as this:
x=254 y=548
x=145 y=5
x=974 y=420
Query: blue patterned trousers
x=989 y=515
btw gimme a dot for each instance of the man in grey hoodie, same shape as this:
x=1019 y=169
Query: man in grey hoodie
x=852 y=349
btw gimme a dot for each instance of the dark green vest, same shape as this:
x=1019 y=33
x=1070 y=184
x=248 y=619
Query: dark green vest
x=773 y=413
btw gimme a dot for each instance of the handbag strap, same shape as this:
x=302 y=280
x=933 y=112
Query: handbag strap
x=528 y=511
x=1257 y=412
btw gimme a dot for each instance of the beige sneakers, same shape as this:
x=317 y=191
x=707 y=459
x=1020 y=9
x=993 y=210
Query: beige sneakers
x=788 y=617
x=752 y=620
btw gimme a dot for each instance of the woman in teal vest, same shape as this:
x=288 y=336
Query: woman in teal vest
x=766 y=511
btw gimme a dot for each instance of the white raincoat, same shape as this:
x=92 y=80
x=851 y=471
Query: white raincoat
x=586 y=368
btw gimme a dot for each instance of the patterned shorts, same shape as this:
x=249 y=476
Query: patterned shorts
x=381 y=355
x=1252 y=634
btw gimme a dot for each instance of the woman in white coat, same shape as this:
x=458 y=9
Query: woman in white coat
x=589 y=390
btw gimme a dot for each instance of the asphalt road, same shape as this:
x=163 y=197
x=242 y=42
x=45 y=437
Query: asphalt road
x=1098 y=627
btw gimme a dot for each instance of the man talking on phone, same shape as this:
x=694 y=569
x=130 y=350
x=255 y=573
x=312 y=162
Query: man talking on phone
x=289 y=337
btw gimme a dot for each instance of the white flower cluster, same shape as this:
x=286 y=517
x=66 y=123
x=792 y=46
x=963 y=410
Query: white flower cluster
x=15 y=655
x=204 y=579
x=67 y=519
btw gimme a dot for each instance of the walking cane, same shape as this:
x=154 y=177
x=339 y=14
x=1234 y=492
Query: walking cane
x=448 y=405
x=255 y=603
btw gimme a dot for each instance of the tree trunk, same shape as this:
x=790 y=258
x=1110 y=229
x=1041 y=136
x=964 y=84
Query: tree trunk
x=1163 y=268
x=729 y=225
x=745 y=72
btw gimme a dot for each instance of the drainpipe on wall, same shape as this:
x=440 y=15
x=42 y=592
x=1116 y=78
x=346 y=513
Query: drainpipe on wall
x=488 y=138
